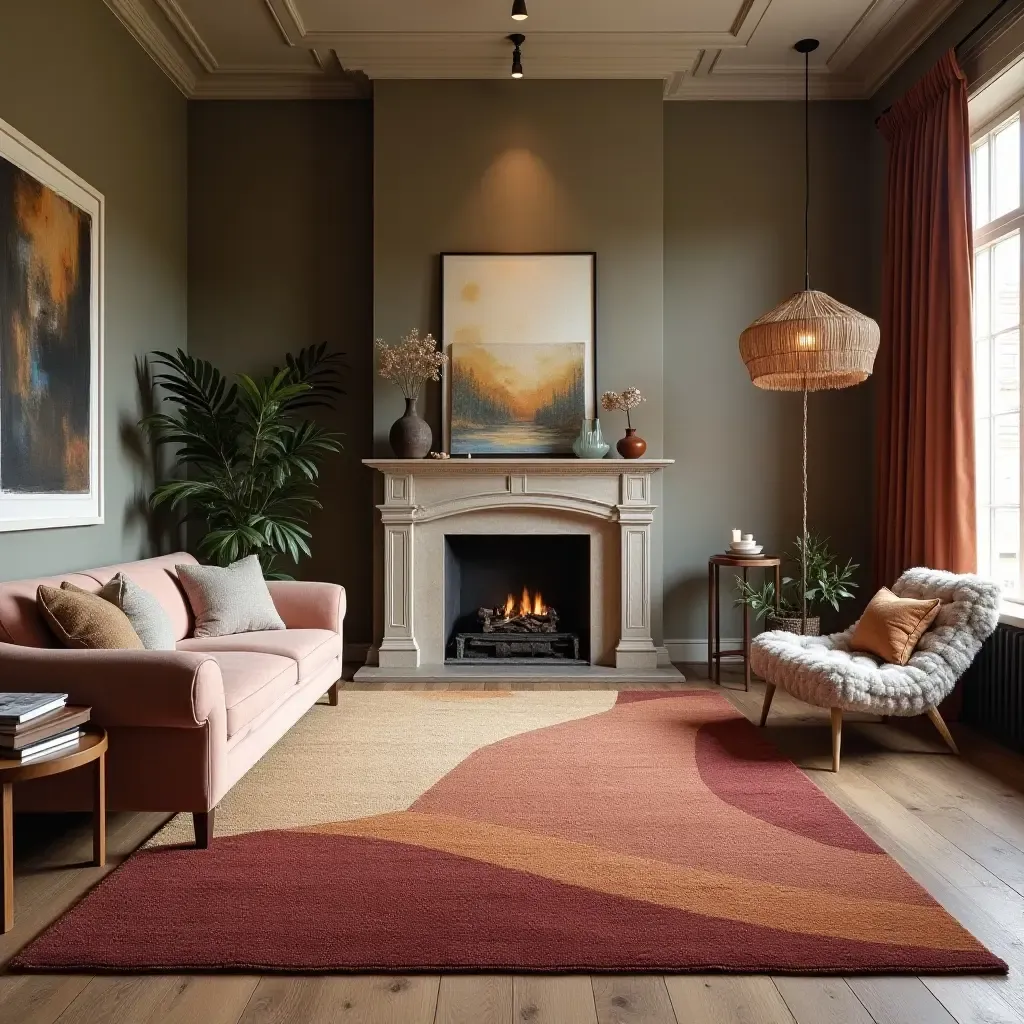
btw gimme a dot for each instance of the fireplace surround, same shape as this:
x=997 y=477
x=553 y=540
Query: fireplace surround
x=431 y=508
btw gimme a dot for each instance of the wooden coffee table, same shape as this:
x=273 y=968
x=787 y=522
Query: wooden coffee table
x=91 y=749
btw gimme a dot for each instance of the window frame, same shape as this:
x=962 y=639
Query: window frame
x=987 y=237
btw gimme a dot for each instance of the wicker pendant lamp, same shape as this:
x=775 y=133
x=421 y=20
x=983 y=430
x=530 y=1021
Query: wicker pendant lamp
x=810 y=342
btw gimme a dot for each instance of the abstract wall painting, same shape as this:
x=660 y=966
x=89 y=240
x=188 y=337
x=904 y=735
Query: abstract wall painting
x=51 y=341
x=519 y=331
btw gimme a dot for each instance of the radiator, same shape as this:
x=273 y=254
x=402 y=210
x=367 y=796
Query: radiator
x=993 y=688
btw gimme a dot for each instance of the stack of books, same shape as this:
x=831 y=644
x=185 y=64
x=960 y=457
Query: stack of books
x=35 y=725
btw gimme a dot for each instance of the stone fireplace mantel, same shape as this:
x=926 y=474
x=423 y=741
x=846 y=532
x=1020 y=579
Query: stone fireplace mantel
x=425 y=499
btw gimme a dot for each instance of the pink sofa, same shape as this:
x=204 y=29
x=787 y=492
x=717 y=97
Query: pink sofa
x=184 y=725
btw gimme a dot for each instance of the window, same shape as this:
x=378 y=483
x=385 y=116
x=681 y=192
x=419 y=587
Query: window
x=998 y=222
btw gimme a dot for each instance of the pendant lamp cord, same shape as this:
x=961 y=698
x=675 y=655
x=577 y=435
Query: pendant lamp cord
x=807 y=172
x=803 y=550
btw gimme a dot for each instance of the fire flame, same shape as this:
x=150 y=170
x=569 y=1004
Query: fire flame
x=526 y=605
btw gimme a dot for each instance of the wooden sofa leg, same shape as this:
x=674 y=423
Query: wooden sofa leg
x=332 y=695
x=933 y=714
x=769 y=692
x=837 y=736
x=202 y=821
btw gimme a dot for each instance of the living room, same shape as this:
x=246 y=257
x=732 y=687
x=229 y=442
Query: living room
x=543 y=728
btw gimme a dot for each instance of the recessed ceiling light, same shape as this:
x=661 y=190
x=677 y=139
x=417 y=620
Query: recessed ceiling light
x=517 y=39
x=519 y=10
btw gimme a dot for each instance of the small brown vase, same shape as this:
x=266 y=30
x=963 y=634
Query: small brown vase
x=631 y=446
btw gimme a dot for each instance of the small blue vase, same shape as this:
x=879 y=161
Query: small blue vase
x=590 y=444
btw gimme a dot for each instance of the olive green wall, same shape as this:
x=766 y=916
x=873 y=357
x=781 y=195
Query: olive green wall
x=77 y=84
x=734 y=194
x=279 y=257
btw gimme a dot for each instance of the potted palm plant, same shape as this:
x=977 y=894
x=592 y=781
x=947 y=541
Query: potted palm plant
x=252 y=460
x=828 y=582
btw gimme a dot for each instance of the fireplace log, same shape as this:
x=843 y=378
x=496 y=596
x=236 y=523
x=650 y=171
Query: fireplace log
x=494 y=620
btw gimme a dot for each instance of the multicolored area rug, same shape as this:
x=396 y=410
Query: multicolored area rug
x=529 y=831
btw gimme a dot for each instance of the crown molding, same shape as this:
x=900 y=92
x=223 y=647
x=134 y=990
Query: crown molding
x=152 y=39
x=688 y=63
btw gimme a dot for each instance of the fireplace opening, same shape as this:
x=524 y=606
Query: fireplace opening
x=522 y=599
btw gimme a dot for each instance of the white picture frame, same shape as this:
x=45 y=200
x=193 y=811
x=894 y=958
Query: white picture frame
x=519 y=300
x=24 y=506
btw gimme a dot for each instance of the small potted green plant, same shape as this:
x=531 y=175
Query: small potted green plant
x=827 y=583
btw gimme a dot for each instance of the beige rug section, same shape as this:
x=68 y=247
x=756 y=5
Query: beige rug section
x=376 y=753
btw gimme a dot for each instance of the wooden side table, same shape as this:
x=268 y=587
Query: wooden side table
x=91 y=749
x=715 y=652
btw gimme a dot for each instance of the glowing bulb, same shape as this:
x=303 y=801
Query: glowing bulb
x=807 y=341
x=519 y=10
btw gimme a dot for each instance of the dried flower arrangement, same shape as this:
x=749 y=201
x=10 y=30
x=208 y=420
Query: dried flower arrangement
x=411 y=362
x=616 y=401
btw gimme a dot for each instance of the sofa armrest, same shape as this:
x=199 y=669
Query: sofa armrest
x=176 y=689
x=305 y=605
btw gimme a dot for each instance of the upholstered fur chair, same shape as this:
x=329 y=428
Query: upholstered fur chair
x=824 y=671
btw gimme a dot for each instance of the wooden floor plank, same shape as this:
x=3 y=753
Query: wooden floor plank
x=162 y=999
x=354 y=999
x=553 y=999
x=821 y=1000
x=899 y=1001
x=975 y=1000
x=721 y=999
x=474 y=999
x=33 y=999
x=632 y=999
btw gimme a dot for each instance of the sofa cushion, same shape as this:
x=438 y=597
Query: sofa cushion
x=310 y=648
x=229 y=599
x=253 y=683
x=85 y=621
x=158 y=576
x=21 y=621
x=144 y=611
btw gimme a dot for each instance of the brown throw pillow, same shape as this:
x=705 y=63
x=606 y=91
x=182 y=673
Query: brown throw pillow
x=86 y=621
x=892 y=626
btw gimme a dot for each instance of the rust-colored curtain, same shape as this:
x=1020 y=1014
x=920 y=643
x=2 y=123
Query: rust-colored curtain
x=924 y=502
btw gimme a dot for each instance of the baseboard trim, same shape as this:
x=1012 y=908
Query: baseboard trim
x=695 y=651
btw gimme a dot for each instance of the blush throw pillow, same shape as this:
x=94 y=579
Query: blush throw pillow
x=232 y=599
x=891 y=627
x=85 y=621
x=143 y=610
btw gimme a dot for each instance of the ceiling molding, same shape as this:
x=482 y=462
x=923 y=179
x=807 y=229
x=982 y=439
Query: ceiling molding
x=152 y=39
x=691 y=65
x=179 y=19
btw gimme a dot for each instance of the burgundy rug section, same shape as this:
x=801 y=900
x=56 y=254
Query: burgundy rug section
x=289 y=901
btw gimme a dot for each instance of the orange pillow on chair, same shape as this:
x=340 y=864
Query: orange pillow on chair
x=892 y=626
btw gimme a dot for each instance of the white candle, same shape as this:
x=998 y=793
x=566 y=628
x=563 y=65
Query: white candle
x=736 y=536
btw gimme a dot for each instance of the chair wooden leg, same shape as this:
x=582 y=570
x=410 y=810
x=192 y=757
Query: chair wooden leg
x=202 y=822
x=933 y=714
x=837 y=736
x=769 y=692
x=332 y=695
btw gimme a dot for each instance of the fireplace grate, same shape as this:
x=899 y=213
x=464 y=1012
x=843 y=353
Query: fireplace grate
x=523 y=648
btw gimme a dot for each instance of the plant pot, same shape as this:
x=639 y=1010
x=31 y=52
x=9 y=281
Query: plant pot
x=631 y=446
x=411 y=436
x=794 y=625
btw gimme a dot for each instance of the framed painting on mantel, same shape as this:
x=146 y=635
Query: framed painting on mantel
x=51 y=341
x=520 y=333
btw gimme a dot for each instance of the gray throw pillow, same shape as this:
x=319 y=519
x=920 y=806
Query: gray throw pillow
x=235 y=599
x=143 y=610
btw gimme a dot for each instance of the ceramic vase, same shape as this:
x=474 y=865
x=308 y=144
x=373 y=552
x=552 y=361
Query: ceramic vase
x=590 y=444
x=631 y=446
x=411 y=436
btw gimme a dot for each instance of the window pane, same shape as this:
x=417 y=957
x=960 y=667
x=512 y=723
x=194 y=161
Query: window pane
x=1006 y=461
x=1007 y=170
x=982 y=378
x=985 y=542
x=982 y=293
x=983 y=463
x=980 y=185
x=1006 y=382
x=1006 y=283
x=1006 y=548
